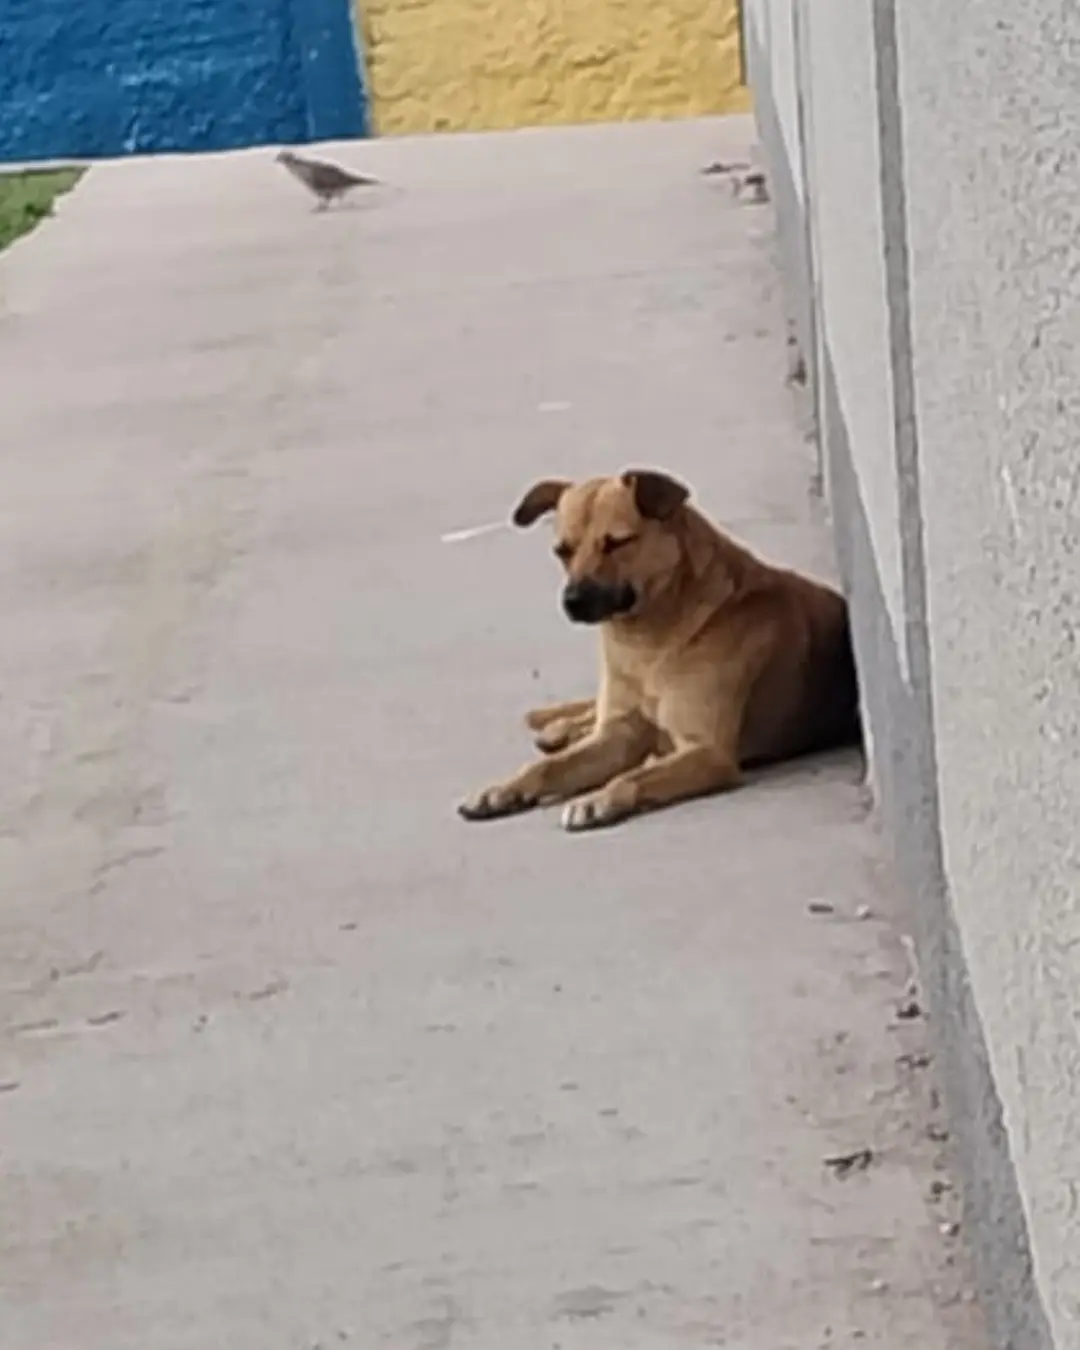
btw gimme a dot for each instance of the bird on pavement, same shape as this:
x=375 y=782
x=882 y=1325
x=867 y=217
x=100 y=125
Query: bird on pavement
x=327 y=182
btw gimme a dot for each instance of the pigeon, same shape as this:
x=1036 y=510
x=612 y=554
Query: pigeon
x=325 y=181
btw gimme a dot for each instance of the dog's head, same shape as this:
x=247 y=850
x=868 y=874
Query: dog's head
x=617 y=538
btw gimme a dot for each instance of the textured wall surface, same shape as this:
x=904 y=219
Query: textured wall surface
x=772 y=56
x=111 y=77
x=475 y=64
x=991 y=104
x=851 y=256
x=779 y=24
x=955 y=137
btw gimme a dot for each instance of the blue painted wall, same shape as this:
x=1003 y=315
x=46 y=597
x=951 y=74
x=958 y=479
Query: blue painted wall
x=88 y=78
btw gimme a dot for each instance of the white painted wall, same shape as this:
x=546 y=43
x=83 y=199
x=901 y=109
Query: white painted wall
x=850 y=249
x=757 y=15
x=784 y=76
x=992 y=126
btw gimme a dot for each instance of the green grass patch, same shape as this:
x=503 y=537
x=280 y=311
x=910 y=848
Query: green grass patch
x=27 y=198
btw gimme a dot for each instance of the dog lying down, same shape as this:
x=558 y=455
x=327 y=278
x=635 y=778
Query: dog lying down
x=712 y=660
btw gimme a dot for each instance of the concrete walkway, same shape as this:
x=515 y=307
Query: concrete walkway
x=290 y=1055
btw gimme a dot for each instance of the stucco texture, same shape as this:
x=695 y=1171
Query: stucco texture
x=115 y=77
x=457 y=65
x=990 y=119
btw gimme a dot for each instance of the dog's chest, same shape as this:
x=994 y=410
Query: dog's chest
x=636 y=680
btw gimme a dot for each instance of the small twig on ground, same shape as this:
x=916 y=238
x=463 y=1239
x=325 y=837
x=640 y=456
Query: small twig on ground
x=721 y=166
x=844 y=1164
x=752 y=187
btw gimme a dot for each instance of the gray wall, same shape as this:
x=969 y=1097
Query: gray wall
x=928 y=198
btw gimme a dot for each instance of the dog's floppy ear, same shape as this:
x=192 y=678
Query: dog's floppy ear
x=538 y=501
x=656 y=496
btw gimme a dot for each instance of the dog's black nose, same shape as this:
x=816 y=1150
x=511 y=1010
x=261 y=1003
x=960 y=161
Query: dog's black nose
x=579 y=601
x=591 y=602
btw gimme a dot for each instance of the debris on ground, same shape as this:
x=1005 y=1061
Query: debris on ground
x=752 y=187
x=915 y=1059
x=845 y=1164
x=797 y=374
x=720 y=166
x=748 y=183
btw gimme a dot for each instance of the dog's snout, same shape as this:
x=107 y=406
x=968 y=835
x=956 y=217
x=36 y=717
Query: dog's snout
x=589 y=601
x=579 y=600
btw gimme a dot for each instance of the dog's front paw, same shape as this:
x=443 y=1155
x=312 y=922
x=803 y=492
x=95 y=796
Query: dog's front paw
x=555 y=736
x=503 y=799
x=595 y=811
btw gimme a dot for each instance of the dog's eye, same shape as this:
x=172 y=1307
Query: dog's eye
x=563 y=551
x=611 y=542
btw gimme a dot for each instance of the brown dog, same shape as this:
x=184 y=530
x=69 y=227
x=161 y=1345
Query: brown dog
x=712 y=659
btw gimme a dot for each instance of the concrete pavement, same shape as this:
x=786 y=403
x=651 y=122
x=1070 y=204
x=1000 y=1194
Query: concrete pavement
x=291 y=1056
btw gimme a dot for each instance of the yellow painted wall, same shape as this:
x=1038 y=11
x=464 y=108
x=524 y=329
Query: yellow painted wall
x=458 y=65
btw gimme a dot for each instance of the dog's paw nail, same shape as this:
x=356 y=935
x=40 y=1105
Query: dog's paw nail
x=492 y=802
x=582 y=815
x=479 y=807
